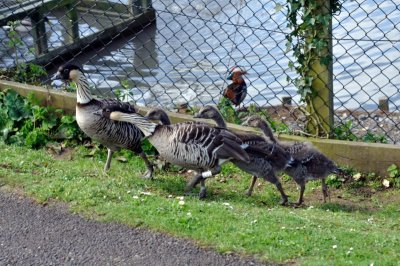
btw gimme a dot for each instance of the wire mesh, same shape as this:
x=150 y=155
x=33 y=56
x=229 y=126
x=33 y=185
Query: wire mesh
x=182 y=54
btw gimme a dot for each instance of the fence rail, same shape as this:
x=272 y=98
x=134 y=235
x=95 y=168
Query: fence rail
x=181 y=51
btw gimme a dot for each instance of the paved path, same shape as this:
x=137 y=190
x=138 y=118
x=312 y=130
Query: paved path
x=32 y=234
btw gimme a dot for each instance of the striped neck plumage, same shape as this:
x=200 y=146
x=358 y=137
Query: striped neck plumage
x=266 y=129
x=83 y=94
x=146 y=126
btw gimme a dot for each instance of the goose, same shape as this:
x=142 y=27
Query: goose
x=196 y=146
x=158 y=114
x=236 y=91
x=265 y=166
x=107 y=132
x=312 y=165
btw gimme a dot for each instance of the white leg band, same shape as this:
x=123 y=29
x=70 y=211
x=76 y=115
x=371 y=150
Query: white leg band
x=206 y=174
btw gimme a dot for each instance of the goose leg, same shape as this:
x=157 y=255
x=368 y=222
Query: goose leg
x=251 y=188
x=325 y=190
x=108 y=162
x=149 y=172
x=302 y=184
x=274 y=180
x=200 y=178
x=203 y=191
x=192 y=183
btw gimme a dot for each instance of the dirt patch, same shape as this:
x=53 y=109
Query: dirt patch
x=65 y=154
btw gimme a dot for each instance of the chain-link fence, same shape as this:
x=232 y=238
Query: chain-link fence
x=177 y=52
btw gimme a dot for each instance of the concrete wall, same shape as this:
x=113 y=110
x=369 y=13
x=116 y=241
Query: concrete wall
x=366 y=157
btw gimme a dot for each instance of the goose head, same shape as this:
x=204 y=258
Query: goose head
x=207 y=112
x=253 y=121
x=69 y=72
x=158 y=114
x=236 y=70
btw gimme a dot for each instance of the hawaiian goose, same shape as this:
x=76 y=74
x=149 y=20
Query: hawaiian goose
x=265 y=166
x=158 y=114
x=196 y=146
x=312 y=163
x=107 y=132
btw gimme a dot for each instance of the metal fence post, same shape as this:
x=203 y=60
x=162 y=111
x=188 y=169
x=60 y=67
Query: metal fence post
x=320 y=107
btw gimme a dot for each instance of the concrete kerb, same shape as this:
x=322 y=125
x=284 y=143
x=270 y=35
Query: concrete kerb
x=366 y=157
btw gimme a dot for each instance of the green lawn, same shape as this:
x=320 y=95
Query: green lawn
x=354 y=229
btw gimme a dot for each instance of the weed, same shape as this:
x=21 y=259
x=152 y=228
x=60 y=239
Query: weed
x=24 y=122
x=343 y=131
x=228 y=111
x=394 y=173
x=374 y=138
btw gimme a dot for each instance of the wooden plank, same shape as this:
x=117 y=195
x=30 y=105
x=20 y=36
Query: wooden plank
x=105 y=6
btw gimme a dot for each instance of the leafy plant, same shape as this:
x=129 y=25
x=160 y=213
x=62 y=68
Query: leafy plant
x=394 y=173
x=343 y=131
x=148 y=148
x=24 y=122
x=227 y=111
x=29 y=73
x=374 y=138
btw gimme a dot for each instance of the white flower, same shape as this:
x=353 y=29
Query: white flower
x=386 y=183
x=169 y=196
x=135 y=197
x=334 y=246
x=357 y=176
x=189 y=214
x=283 y=227
x=180 y=198
x=145 y=193
x=181 y=203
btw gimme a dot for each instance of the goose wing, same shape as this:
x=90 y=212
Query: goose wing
x=125 y=107
x=250 y=139
x=218 y=142
x=229 y=145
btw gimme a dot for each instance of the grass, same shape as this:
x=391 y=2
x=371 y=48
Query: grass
x=352 y=229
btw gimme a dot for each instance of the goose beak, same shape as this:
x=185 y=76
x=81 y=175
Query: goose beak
x=230 y=75
x=245 y=121
x=56 y=76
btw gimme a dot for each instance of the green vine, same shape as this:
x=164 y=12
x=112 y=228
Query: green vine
x=309 y=21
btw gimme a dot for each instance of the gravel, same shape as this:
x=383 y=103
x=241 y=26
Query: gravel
x=32 y=234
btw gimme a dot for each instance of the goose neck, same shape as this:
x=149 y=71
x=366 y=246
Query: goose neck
x=83 y=94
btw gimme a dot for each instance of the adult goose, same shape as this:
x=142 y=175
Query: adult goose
x=266 y=165
x=312 y=165
x=196 y=146
x=112 y=134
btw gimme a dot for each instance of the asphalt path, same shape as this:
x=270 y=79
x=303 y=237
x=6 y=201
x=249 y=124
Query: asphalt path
x=33 y=234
